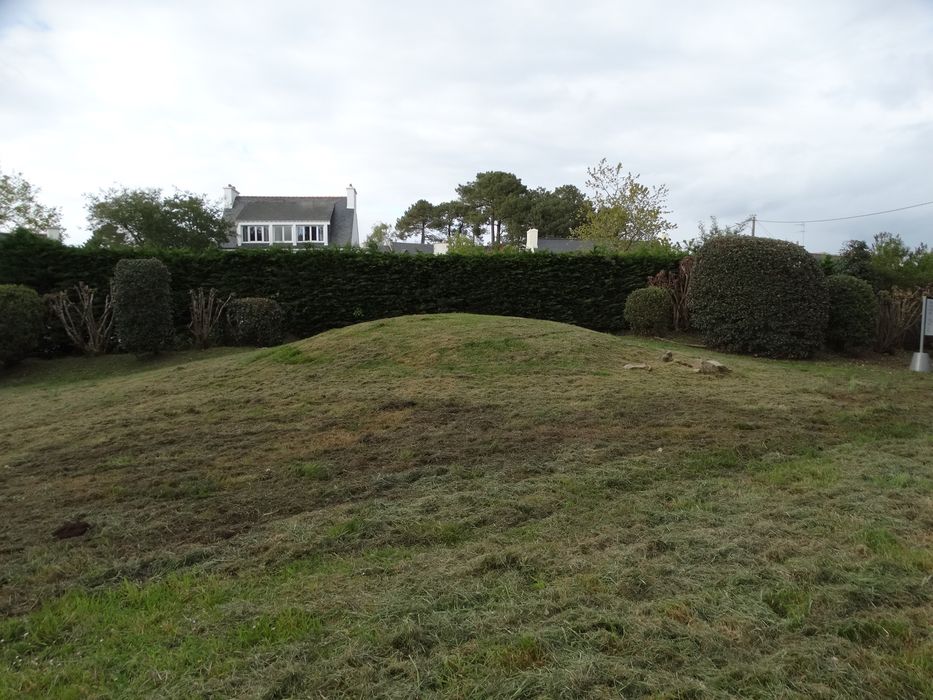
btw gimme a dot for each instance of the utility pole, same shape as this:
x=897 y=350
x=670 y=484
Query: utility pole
x=754 y=217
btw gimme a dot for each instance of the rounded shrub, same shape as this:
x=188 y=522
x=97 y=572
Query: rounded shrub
x=142 y=305
x=21 y=317
x=853 y=313
x=760 y=296
x=649 y=310
x=256 y=321
x=53 y=338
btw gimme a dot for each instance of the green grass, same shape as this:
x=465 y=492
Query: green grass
x=465 y=506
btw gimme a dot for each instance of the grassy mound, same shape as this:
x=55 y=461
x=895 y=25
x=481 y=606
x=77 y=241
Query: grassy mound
x=461 y=505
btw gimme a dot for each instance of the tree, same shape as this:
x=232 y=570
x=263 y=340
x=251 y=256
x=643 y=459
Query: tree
x=624 y=210
x=556 y=213
x=855 y=260
x=143 y=217
x=381 y=236
x=20 y=207
x=416 y=220
x=453 y=217
x=494 y=196
x=894 y=264
x=715 y=229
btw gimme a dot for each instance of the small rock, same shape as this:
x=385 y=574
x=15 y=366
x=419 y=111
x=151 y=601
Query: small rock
x=667 y=356
x=713 y=367
x=72 y=529
x=636 y=365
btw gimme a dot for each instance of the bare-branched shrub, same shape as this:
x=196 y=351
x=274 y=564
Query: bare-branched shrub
x=87 y=323
x=677 y=284
x=206 y=311
x=898 y=311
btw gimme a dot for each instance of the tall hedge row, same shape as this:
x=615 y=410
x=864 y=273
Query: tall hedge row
x=324 y=289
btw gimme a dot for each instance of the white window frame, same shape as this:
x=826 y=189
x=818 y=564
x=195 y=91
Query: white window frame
x=318 y=233
x=253 y=233
x=243 y=228
x=286 y=229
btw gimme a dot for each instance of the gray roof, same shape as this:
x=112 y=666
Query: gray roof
x=564 y=245
x=412 y=248
x=331 y=209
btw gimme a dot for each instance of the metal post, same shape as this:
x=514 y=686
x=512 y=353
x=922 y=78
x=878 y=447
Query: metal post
x=923 y=322
x=920 y=362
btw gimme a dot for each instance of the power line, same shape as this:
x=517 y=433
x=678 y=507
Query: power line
x=766 y=230
x=845 y=218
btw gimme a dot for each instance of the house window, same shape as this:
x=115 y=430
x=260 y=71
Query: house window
x=255 y=234
x=282 y=233
x=310 y=234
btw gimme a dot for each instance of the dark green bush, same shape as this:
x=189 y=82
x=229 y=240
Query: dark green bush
x=650 y=311
x=142 y=305
x=853 y=313
x=256 y=321
x=53 y=339
x=329 y=288
x=760 y=296
x=21 y=316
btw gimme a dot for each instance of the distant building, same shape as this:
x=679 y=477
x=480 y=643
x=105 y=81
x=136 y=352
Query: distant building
x=306 y=222
x=556 y=245
x=532 y=243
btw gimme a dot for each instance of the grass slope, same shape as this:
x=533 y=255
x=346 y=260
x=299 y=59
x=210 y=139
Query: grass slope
x=464 y=506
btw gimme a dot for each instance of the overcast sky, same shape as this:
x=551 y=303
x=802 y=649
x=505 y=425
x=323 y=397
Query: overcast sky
x=791 y=110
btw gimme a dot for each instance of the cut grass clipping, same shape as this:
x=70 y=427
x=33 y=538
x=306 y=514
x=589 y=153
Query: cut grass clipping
x=464 y=506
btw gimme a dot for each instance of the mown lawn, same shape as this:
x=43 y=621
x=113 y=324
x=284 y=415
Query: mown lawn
x=465 y=506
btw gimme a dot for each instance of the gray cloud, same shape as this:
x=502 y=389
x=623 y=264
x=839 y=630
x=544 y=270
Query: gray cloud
x=791 y=110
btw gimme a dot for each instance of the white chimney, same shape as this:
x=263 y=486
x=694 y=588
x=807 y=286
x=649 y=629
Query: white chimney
x=54 y=233
x=351 y=197
x=531 y=239
x=230 y=195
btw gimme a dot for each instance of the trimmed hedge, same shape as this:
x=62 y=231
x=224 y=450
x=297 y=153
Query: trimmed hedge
x=650 y=311
x=142 y=305
x=256 y=321
x=760 y=296
x=21 y=317
x=853 y=313
x=322 y=289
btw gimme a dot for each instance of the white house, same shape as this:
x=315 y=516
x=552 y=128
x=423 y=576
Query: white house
x=262 y=222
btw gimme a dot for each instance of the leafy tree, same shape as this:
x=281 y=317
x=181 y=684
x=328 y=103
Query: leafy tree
x=560 y=211
x=381 y=235
x=855 y=260
x=455 y=217
x=555 y=213
x=494 y=196
x=887 y=262
x=716 y=229
x=464 y=244
x=20 y=206
x=624 y=211
x=143 y=217
x=894 y=264
x=416 y=220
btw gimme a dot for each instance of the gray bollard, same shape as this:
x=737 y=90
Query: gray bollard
x=920 y=362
